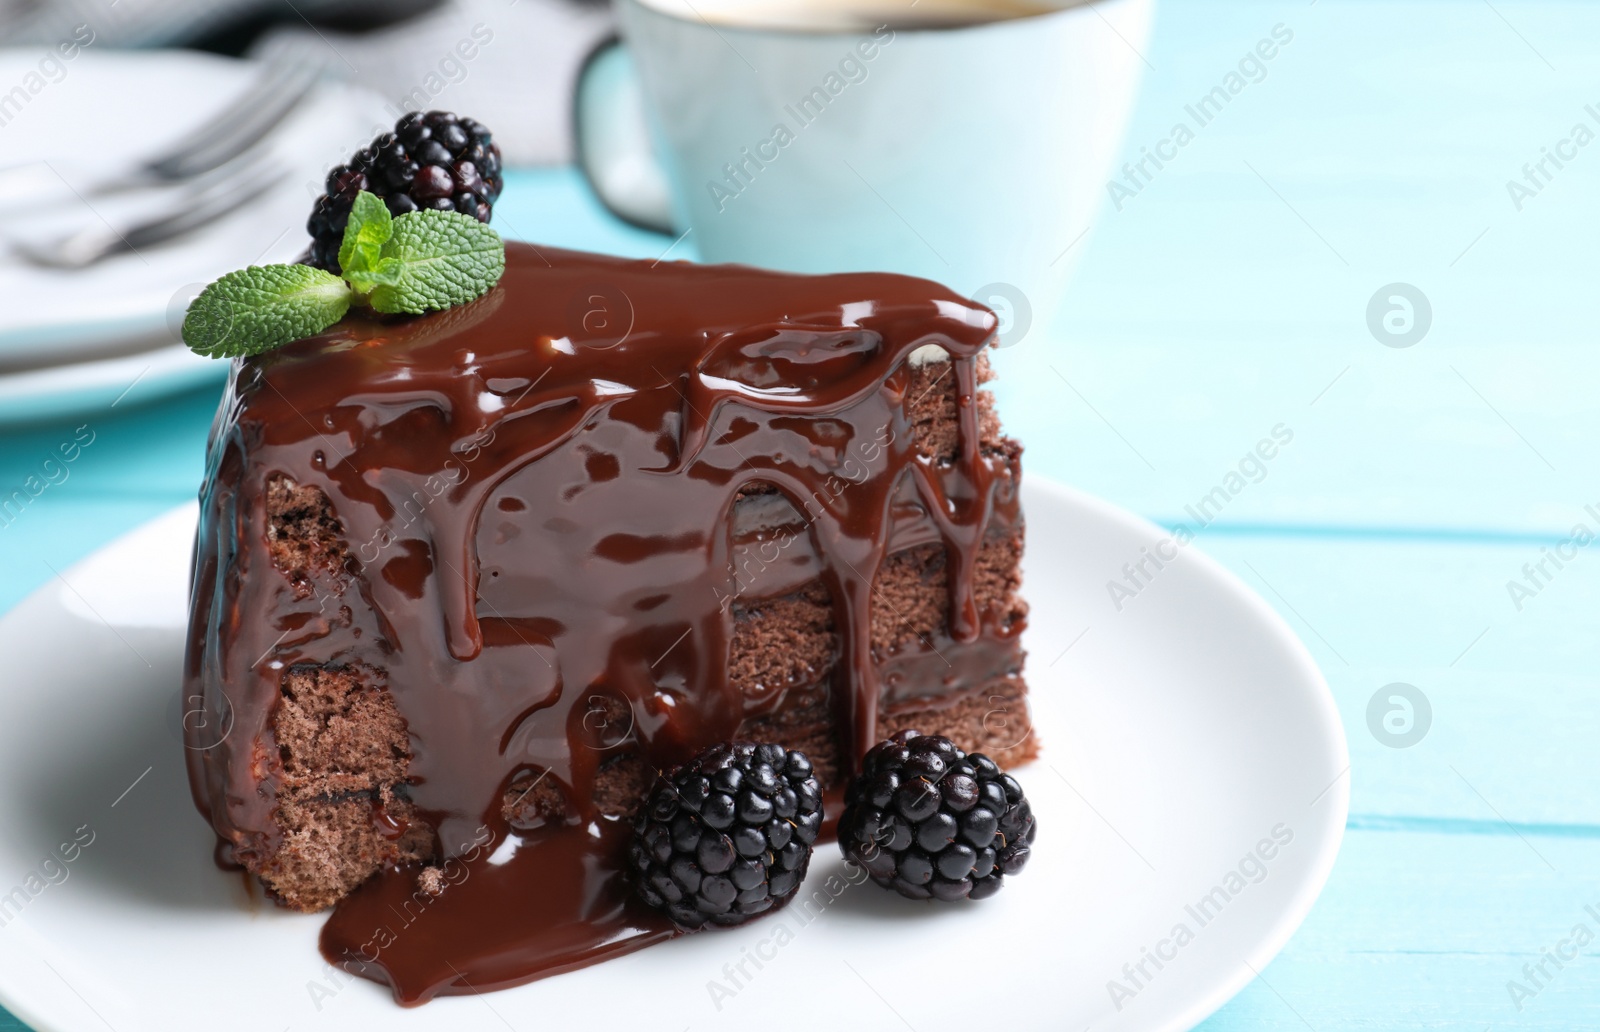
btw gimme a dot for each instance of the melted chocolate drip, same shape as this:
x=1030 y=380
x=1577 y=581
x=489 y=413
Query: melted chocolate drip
x=538 y=492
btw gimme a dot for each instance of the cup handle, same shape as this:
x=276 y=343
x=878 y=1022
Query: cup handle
x=613 y=140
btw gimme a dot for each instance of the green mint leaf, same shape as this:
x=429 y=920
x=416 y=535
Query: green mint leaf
x=263 y=307
x=440 y=259
x=365 y=234
x=385 y=273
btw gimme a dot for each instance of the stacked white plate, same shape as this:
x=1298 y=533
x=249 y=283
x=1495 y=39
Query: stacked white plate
x=72 y=340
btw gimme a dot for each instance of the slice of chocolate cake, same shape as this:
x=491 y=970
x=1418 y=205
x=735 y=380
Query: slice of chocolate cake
x=465 y=582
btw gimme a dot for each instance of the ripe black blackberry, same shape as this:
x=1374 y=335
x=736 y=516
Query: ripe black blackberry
x=728 y=835
x=931 y=822
x=432 y=160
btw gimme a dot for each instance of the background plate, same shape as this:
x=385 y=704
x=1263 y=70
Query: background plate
x=1179 y=732
x=75 y=340
x=106 y=97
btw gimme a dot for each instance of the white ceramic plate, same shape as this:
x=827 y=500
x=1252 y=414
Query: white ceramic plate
x=140 y=377
x=1179 y=733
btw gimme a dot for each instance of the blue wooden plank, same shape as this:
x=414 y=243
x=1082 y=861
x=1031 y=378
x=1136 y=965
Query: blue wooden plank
x=1458 y=441
x=1512 y=693
x=1422 y=930
x=127 y=465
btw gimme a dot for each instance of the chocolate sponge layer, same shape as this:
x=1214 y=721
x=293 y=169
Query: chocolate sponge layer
x=343 y=753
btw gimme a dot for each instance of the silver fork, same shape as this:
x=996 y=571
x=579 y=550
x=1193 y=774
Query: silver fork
x=226 y=190
x=259 y=109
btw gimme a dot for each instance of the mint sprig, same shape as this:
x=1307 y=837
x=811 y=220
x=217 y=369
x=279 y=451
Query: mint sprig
x=263 y=307
x=369 y=228
x=436 y=260
x=423 y=261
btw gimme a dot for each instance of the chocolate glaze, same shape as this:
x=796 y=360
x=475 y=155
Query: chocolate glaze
x=538 y=492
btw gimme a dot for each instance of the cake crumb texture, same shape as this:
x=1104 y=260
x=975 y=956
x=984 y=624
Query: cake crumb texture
x=621 y=784
x=781 y=643
x=303 y=535
x=911 y=596
x=343 y=753
x=533 y=800
x=932 y=409
x=993 y=720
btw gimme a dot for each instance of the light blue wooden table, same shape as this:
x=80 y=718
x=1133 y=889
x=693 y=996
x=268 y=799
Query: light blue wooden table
x=1228 y=296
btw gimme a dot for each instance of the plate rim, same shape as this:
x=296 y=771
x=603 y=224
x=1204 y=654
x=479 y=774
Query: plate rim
x=63 y=391
x=1329 y=722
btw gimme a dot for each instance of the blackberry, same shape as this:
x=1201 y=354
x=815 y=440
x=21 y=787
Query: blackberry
x=728 y=835
x=931 y=822
x=432 y=160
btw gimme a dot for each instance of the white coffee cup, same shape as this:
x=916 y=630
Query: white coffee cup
x=970 y=147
